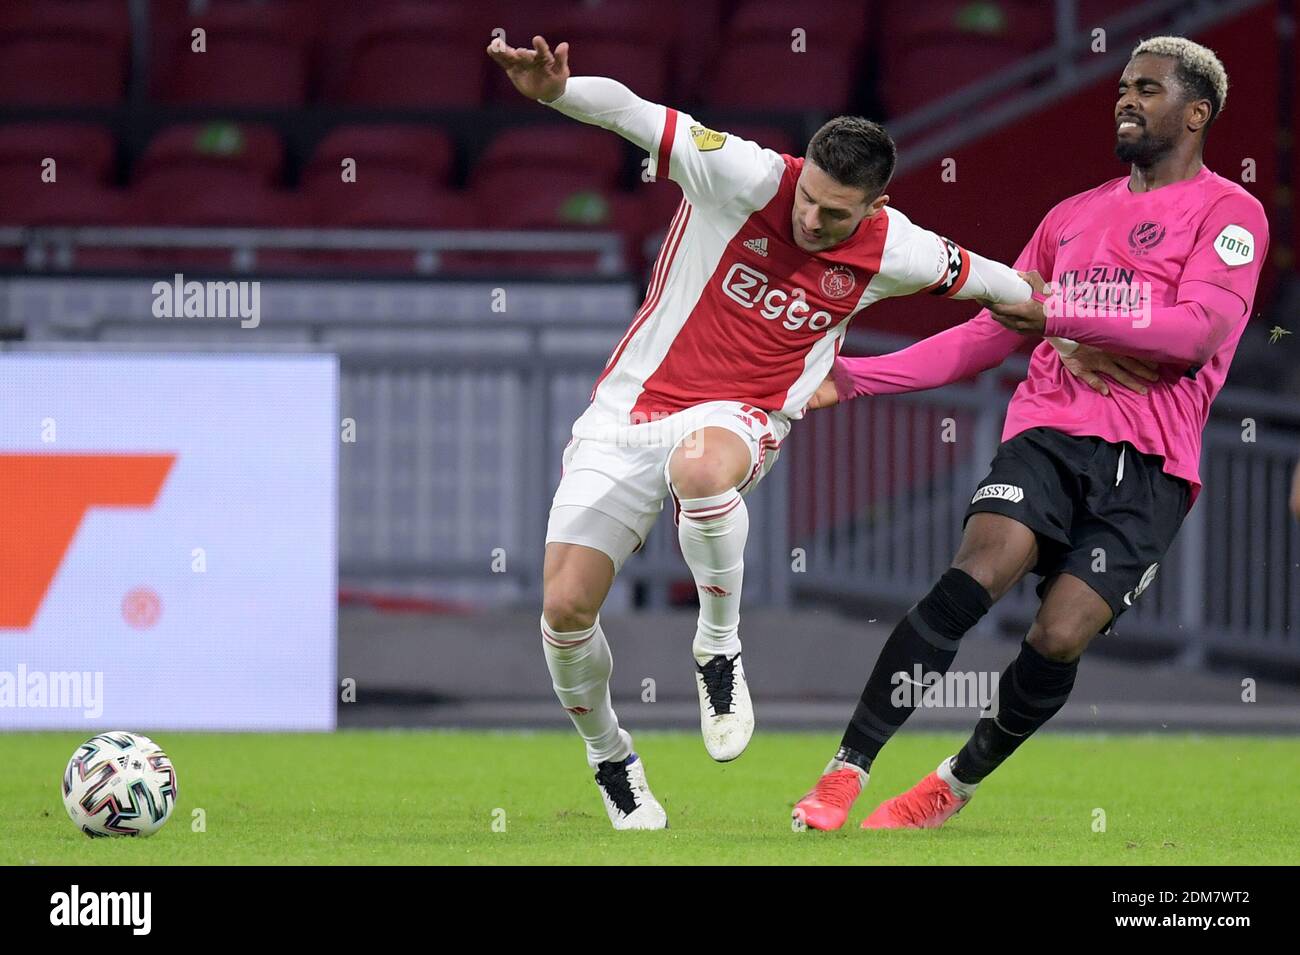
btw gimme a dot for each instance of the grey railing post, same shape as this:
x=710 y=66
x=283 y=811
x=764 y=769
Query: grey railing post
x=539 y=465
x=1067 y=23
x=777 y=531
x=1192 y=583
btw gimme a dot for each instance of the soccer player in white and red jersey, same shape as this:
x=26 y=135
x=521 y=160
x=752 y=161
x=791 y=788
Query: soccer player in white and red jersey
x=1087 y=490
x=767 y=259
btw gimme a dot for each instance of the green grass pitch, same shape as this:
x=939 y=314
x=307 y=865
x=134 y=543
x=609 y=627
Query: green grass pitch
x=413 y=797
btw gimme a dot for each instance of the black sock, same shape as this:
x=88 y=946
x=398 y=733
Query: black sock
x=927 y=637
x=1030 y=692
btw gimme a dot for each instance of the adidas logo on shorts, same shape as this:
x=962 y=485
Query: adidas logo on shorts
x=1005 y=492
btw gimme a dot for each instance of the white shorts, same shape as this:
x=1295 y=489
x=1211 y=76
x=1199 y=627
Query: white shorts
x=627 y=482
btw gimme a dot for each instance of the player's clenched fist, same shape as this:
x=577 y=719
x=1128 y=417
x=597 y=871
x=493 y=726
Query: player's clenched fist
x=537 y=73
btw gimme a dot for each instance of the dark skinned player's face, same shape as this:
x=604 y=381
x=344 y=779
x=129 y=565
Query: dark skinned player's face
x=1153 y=111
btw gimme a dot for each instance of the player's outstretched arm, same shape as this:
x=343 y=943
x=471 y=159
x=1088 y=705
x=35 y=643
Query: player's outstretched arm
x=990 y=282
x=538 y=73
x=964 y=351
x=543 y=75
x=1188 y=333
x=918 y=260
x=951 y=355
x=711 y=167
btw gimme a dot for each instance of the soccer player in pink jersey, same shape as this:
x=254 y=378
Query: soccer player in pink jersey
x=767 y=259
x=1160 y=265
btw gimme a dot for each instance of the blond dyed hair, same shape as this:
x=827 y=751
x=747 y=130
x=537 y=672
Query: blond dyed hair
x=1199 y=68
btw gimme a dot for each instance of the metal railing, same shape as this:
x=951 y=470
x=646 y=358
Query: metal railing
x=55 y=248
x=457 y=457
x=891 y=521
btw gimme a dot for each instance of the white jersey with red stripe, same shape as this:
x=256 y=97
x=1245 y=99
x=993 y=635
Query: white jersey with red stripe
x=735 y=311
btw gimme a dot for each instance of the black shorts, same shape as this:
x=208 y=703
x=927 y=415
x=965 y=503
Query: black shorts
x=1105 y=513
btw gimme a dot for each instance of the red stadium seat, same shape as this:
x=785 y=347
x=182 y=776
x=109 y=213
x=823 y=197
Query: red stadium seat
x=256 y=55
x=971 y=41
x=562 y=152
x=380 y=203
x=626 y=40
x=372 y=204
x=210 y=156
x=502 y=193
x=827 y=23
x=522 y=21
x=216 y=205
x=648 y=23
x=640 y=66
x=760 y=68
x=415 y=55
x=66 y=53
x=582 y=208
x=68 y=204
x=1030 y=24
x=344 y=23
x=695 y=26
x=772 y=137
x=419 y=152
x=553 y=193
x=913 y=82
x=817 y=82
x=223 y=205
x=63 y=203
x=81 y=150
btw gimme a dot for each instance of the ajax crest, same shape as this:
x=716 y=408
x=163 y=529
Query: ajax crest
x=838 y=281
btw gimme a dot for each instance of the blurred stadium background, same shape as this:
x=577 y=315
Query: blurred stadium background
x=475 y=276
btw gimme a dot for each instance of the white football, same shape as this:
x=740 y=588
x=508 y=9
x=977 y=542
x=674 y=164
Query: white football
x=119 y=784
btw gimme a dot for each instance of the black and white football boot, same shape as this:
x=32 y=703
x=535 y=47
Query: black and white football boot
x=726 y=714
x=627 y=795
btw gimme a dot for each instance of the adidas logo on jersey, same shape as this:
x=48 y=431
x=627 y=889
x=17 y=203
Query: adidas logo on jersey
x=757 y=245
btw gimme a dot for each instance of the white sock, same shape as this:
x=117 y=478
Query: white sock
x=836 y=764
x=960 y=789
x=580 y=665
x=712 y=532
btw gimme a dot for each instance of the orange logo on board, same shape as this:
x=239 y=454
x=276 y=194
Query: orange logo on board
x=44 y=497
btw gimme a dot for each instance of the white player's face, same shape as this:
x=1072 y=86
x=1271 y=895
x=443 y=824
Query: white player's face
x=826 y=212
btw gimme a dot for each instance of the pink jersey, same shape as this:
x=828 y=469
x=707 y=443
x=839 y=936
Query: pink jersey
x=735 y=311
x=1167 y=275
